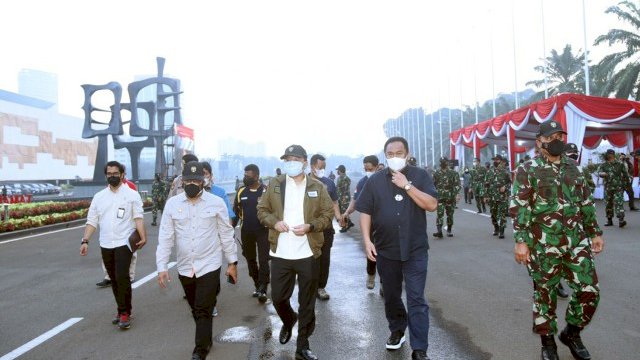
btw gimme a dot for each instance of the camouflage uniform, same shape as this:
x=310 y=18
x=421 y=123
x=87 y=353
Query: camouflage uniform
x=159 y=197
x=496 y=178
x=478 y=174
x=614 y=184
x=447 y=183
x=344 y=192
x=553 y=213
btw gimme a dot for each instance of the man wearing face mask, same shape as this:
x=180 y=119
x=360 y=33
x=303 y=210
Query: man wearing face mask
x=556 y=235
x=466 y=185
x=252 y=232
x=571 y=150
x=176 y=185
x=343 y=186
x=628 y=166
x=117 y=210
x=478 y=173
x=297 y=209
x=498 y=182
x=318 y=165
x=393 y=208
x=614 y=175
x=447 y=183
x=370 y=165
x=196 y=222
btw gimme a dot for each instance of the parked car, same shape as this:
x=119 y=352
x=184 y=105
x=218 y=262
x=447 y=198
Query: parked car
x=41 y=188
x=16 y=188
x=52 y=188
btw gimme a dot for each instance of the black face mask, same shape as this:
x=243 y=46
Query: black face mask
x=248 y=181
x=573 y=156
x=113 y=180
x=192 y=190
x=554 y=147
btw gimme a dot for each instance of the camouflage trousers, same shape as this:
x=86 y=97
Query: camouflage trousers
x=477 y=194
x=614 y=201
x=445 y=205
x=499 y=209
x=572 y=260
x=157 y=205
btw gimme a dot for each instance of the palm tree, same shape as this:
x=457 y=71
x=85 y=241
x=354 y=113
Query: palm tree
x=564 y=73
x=619 y=72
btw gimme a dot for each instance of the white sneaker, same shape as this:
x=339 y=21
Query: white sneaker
x=214 y=313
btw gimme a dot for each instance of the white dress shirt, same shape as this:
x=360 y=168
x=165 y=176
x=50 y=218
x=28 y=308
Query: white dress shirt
x=290 y=245
x=113 y=213
x=200 y=231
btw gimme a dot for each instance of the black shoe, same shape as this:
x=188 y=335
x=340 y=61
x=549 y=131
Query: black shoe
x=501 y=234
x=495 y=231
x=622 y=223
x=104 y=283
x=633 y=208
x=396 y=340
x=549 y=353
x=256 y=293
x=449 y=234
x=262 y=297
x=609 y=222
x=154 y=224
x=305 y=354
x=419 y=355
x=562 y=292
x=196 y=356
x=574 y=343
x=285 y=332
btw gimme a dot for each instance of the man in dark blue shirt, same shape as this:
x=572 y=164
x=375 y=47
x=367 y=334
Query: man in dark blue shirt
x=394 y=201
x=318 y=166
x=370 y=165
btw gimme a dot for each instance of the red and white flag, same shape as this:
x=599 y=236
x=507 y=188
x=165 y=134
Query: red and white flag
x=184 y=138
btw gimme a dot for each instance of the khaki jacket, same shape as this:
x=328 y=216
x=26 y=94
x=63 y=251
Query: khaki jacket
x=318 y=211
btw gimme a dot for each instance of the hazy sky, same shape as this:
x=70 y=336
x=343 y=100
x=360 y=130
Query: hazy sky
x=324 y=74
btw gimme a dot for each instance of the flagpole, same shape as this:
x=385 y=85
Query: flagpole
x=513 y=36
x=586 y=51
x=544 y=49
x=433 y=146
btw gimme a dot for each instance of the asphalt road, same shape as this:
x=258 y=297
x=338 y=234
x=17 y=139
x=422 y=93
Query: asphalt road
x=480 y=303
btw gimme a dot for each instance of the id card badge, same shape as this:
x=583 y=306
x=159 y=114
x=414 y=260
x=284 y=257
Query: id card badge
x=120 y=213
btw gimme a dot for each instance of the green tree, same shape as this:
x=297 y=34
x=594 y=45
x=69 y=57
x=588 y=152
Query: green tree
x=564 y=73
x=619 y=72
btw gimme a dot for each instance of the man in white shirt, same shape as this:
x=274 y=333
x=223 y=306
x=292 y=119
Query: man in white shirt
x=197 y=223
x=117 y=210
x=296 y=208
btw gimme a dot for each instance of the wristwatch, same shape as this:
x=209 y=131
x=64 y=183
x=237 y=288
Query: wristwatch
x=408 y=186
x=84 y=241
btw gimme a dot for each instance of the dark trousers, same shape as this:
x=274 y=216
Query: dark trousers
x=251 y=240
x=325 y=258
x=201 y=294
x=117 y=261
x=467 y=196
x=414 y=273
x=371 y=267
x=283 y=279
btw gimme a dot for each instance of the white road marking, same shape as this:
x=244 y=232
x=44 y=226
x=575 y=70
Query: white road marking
x=475 y=213
x=40 y=339
x=140 y=282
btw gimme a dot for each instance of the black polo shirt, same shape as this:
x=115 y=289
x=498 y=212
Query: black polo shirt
x=399 y=224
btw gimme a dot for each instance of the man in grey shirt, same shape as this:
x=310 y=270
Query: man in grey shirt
x=197 y=223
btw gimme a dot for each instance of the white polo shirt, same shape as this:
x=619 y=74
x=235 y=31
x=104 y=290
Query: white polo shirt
x=113 y=213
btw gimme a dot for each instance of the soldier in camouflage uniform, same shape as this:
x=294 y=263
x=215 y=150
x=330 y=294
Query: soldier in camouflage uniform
x=447 y=183
x=614 y=174
x=158 y=196
x=343 y=185
x=498 y=182
x=556 y=235
x=478 y=173
x=571 y=150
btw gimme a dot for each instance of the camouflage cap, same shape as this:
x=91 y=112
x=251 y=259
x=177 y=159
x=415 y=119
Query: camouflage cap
x=549 y=128
x=610 y=152
x=497 y=157
x=571 y=148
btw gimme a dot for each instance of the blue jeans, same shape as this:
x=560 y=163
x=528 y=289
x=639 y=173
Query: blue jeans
x=414 y=274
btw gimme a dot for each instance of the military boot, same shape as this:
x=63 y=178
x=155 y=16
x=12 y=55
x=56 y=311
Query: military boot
x=439 y=233
x=609 y=222
x=496 y=230
x=154 y=223
x=549 y=348
x=622 y=222
x=501 y=233
x=570 y=336
x=449 y=228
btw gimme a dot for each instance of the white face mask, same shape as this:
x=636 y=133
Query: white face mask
x=396 y=163
x=320 y=173
x=292 y=168
x=368 y=173
x=207 y=182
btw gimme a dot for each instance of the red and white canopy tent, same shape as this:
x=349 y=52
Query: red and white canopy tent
x=586 y=119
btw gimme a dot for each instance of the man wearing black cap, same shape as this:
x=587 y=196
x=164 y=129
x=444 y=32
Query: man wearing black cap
x=176 y=185
x=297 y=209
x=615 y=175
x=556 y=234
x=197 y=223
